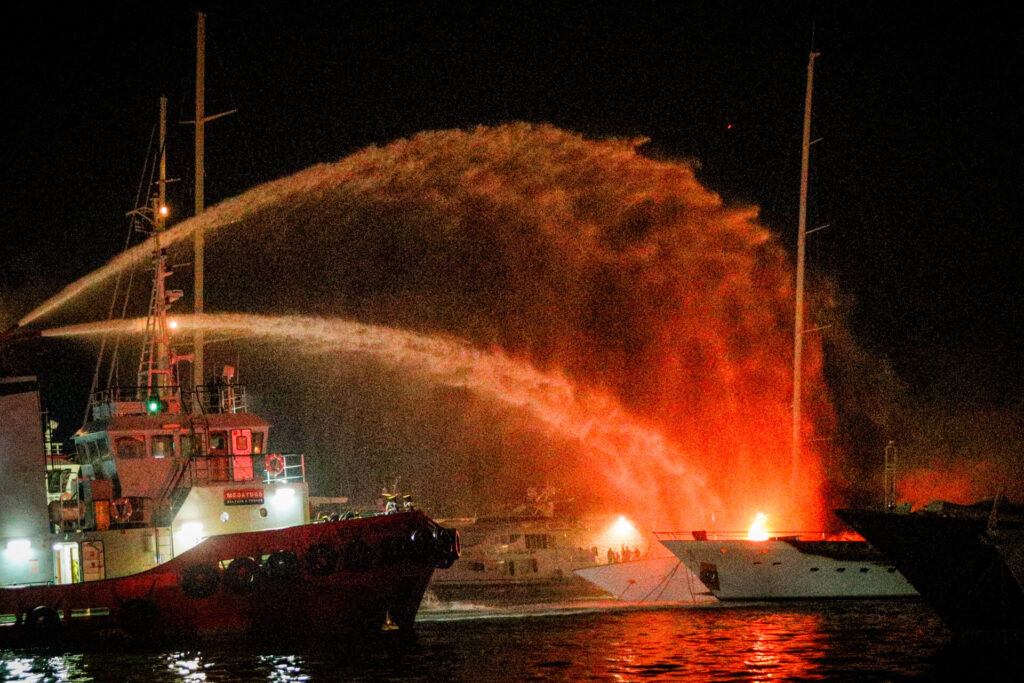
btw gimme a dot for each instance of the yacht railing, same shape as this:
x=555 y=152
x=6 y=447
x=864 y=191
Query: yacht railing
x=739 y=535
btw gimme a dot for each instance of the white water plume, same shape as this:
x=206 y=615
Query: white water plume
x=224 y=214
x=635 y=459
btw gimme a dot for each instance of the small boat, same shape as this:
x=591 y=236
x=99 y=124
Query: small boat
x=519 y=559
x=173 y=518
x=965 y=560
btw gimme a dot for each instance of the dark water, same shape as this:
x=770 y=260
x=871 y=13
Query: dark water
x=855 y=640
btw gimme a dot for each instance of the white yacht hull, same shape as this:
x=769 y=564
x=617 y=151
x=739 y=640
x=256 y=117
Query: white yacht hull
x=789 y=569
x=653 y=580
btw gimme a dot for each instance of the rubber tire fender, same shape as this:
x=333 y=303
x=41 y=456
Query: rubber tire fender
x=241 y=575
x=448 y=544
x=200 y=580
x=422 y=546
x=282 y=565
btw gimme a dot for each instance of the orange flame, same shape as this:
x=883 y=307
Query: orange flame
x=758 y=530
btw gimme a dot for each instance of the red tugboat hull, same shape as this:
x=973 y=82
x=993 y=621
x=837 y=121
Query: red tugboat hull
x=351 y=576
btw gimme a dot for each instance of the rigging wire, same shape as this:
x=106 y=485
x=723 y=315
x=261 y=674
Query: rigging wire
x=148 y=169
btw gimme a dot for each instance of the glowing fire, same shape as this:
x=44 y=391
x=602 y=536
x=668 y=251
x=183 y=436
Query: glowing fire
x=758 y=530
x=623 y=529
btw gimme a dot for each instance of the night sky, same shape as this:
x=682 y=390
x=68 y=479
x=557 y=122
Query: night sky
x=917 y=171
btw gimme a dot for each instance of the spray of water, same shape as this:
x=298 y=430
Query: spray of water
x=598 y=266
x=634 y=459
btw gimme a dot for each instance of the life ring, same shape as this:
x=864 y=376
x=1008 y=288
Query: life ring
x=274 y=464
x=200 y=580
x=121 y=509
x=241 y=575
x=282 y=565
x=321 y=559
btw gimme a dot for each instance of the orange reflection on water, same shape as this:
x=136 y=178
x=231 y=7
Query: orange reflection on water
x=782 y=646
x=711 y=643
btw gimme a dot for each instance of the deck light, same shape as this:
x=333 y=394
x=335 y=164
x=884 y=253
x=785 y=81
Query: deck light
x=19 y=549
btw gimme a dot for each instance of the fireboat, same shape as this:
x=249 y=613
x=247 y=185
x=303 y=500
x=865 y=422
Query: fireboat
x=172 y=518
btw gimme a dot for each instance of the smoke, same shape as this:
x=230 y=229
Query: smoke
x=620 y=274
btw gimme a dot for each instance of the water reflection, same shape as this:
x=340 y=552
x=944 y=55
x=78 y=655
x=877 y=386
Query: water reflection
x=186 y=666
x=284 y=668
x=42 y=668
x=856 y=640
x=783 y=647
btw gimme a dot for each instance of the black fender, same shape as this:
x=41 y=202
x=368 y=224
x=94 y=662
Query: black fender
x=241 y=575
x=200 y=580
x=282 y=565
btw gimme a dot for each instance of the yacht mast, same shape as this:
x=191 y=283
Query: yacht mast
x=798 y=326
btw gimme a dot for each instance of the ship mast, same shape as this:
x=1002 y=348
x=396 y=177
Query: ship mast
x=200 y=179
x=798 y=326
x=155 y=379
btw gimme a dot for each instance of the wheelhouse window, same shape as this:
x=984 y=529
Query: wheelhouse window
x=188 y=447
x=163 y=445
x=257 y=443
x=539 y=541
x=219 y=442
x=241 y=441
x=130 y=447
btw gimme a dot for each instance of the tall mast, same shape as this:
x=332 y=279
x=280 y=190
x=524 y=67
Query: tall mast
x=155 y=362
x=798 y=326
x=200 y=176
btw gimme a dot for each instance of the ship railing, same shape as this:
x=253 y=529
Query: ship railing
x=131 y=400
x=224 y=469
x=293 y=470
x=220 y=398
x=738 y=535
